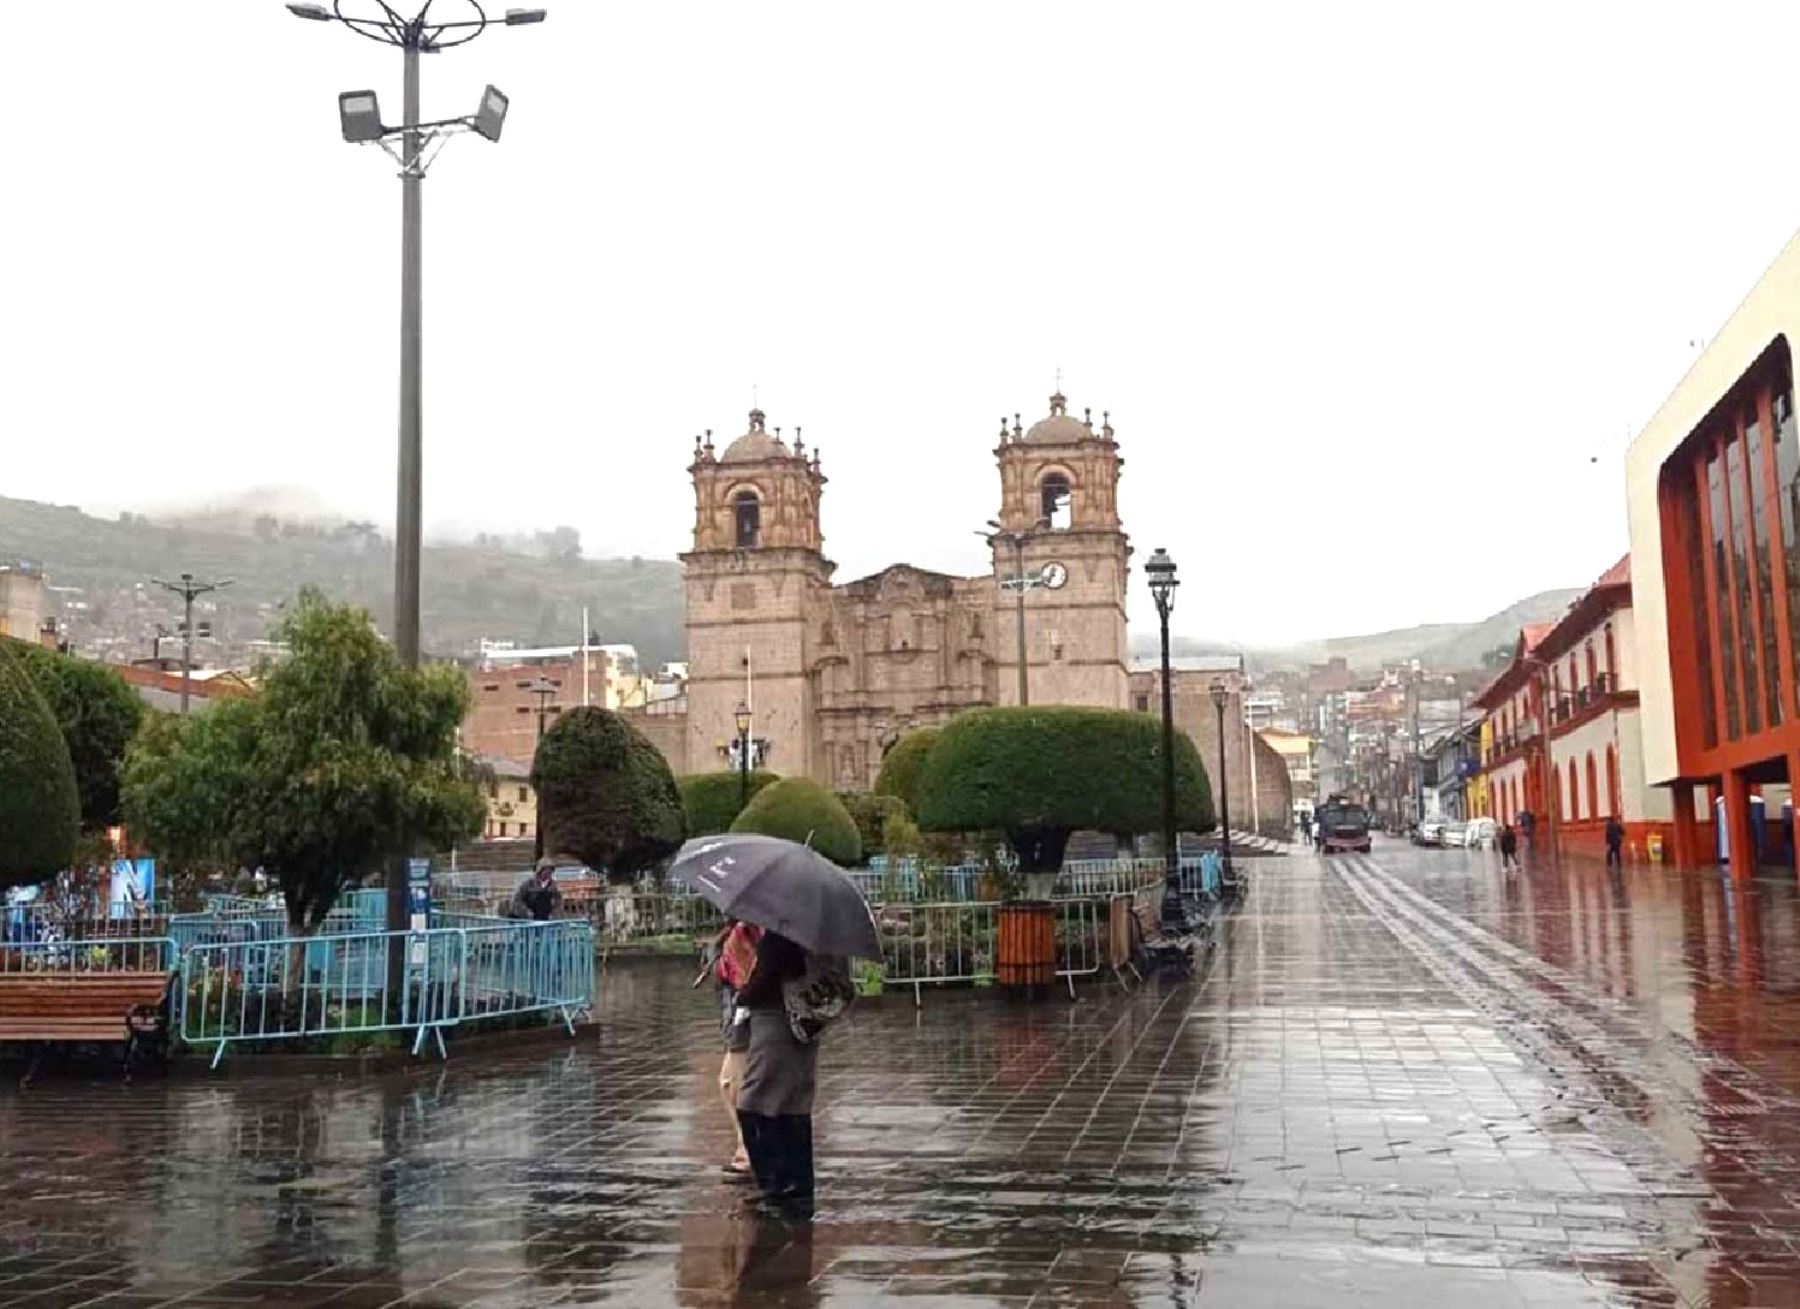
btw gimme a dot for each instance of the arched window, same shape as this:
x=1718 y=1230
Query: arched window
x=746 y=513
x=1614 y=801
x=1574 y=795
x=1593 y=668
x=1612 y=671
x=1055 y=498
x=1593 y=785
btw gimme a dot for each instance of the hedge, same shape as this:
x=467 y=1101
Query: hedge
x=900 y=767
x=98 y=714
x=802 y=810
x=605 y=794
x=40 y=808
x=710 y=800
x=1039 y=773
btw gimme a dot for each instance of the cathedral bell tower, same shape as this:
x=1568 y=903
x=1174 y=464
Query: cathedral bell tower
x=1060 y=531
x=756 y=571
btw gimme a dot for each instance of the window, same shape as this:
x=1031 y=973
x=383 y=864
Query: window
x=746 y=512
x=1614 y=803
x=1764 y=567
x=1054 y=505
x=1574 y=795
x=1715 y=503
x=1143 y=704
x=1593 y=667
x=1787 y=488
x=1741 y=582
x=1612 y=672
x=1687 y=509
x=523 y=794
x=524 y=829
x=1593 y=785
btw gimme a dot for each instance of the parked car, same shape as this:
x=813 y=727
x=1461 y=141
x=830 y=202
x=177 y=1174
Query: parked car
x=1482 y=834
x=1454 y=835
x=1429 y=832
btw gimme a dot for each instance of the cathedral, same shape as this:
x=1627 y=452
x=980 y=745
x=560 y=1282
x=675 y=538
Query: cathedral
x=834 y=673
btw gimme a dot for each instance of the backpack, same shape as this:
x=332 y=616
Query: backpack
x=818 y=998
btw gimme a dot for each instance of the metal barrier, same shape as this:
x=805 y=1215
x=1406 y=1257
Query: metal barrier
x=325 y=986
x=135 y=954
x=648 y=918
x=934 y=944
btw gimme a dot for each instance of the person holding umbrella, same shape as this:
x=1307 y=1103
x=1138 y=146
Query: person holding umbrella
x=813 y=919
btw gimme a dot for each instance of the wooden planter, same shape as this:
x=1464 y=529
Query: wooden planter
x=1026 y=954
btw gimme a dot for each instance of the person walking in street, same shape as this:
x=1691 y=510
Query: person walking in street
x=733 y=966
x=1615 y=842
x=775 y=1094
x=1508 y=841
x=1528 y=825
x=538 y=896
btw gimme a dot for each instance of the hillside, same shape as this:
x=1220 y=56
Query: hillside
x=495 y=589
x=1448 y=647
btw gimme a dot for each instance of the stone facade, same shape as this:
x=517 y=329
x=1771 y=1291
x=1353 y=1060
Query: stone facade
x=835 y=674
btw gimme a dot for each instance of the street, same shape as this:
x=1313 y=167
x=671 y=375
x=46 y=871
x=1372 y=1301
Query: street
x=1401 y=1076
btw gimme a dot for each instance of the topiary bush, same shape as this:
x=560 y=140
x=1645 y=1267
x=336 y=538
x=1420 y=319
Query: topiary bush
x=1039 y=773
x=605 y=794
x=98 y=715
x=710 y=800
x=40 y=808
x=802 y=810
x=879 y=817
x=899 y=775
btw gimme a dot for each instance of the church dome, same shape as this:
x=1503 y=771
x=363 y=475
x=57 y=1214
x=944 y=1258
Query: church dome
x=1059 y=427
x=754 y=444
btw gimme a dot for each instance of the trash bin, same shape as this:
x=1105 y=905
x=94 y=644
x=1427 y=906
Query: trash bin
x=1653 y=845
x=1026 y=955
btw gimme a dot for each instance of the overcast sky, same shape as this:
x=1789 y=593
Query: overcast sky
x=1367 y=288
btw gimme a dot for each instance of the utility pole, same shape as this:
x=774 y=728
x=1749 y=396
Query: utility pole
x=187 y=588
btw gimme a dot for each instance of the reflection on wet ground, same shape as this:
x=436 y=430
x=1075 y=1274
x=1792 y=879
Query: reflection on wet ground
x=1401 y=1078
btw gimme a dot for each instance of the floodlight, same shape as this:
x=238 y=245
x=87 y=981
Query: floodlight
x=519 y=17
x=360 y=115
x=318 y=13
x=491 y=117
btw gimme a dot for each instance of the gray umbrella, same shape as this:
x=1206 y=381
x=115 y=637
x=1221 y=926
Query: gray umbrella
x=783 y=886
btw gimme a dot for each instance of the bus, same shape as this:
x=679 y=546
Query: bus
x=1343 y=825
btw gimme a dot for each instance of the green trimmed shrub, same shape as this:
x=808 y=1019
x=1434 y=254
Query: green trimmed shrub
x=876 y=818
x=899 y=775
x=40 y=808
x=1038 y=774
x=605 y=794
x=98 y=714
x=802 y=810
x=710 y=800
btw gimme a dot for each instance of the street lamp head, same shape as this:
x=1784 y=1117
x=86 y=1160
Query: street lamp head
x=1219 y=696
x=359 y=114
x=520 y=17
x=1160 y=569
x=317 y=13
x=491 y=117
x=742 y=718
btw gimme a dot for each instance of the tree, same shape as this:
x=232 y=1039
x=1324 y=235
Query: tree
x=712 y=800
x=1039 y=774
x=882 y=822
x=802 y=810
x=899 y=775
x=40 y=808
x=605 y=793
x=343 y=764
x=98 y=714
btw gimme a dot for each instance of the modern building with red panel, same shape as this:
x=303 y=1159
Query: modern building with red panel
x=1713 y=487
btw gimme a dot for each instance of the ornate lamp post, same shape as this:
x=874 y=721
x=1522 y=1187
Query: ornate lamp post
x=1160 y=569
x=1219 y=696
x=742 y=718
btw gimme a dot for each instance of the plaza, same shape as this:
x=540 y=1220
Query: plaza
x=1397 y=1076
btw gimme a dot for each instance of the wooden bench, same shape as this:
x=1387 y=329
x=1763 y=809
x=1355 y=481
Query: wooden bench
x=130 y=1008
x=1151 y=951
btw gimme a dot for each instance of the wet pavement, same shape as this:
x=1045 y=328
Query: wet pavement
x=1401 y=1078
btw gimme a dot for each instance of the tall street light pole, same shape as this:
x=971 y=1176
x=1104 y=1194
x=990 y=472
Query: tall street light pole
x=1160 y=569
x=741 y=719
x=187 y=588
x=544 y=689
x=360 y=118
x=1219 y=696
x=1018 y=584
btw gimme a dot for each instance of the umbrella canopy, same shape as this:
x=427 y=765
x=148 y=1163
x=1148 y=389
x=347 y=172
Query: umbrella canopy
x=782 y=886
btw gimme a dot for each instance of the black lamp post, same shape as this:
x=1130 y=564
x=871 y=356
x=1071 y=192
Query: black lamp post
x=1219 y=696
x=543 y=688
x=1160 y=569
x=742 y=716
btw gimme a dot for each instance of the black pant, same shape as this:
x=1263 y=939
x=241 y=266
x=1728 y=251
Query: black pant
x=1612 y=856
x=781 y=1155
